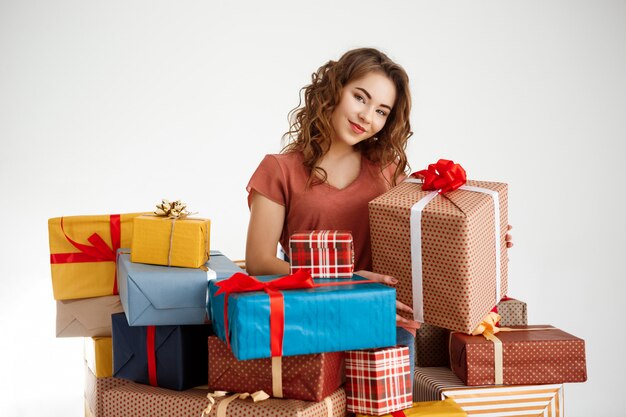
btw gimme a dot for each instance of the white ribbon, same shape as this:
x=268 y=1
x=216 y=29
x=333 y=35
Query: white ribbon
x=416 y=249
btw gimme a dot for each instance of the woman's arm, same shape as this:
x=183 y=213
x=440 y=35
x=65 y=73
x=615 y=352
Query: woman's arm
x=266 y=225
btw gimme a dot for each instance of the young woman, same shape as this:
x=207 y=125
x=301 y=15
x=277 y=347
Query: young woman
x=347 y=146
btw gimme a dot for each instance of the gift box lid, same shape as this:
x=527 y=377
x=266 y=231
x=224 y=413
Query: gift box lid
x=320 y=239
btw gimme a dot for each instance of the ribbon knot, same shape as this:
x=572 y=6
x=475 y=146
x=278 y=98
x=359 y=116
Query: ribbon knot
x=221 y=408
x=173 y=210
x=444 y=176
x=241 y=282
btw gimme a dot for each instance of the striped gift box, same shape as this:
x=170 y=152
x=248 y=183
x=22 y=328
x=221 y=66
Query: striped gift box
x=378 y=380
x=324 y=253
x=489 y=401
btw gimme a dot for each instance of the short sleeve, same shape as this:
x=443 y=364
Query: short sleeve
x=268 y=180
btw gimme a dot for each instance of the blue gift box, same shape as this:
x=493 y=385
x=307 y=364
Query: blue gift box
x=164 y=295
x=321 y=319
x=180 y=352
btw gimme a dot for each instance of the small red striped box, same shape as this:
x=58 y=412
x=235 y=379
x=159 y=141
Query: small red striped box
x=378 y=380
x=323 y=253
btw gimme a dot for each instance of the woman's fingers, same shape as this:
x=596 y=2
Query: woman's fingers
x=411 y=324
x=373 y=276
x=403 y=307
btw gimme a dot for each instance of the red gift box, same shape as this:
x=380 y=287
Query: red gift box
x=521 y=355
x=300 y=377
x=323 y=253
x=378 y=380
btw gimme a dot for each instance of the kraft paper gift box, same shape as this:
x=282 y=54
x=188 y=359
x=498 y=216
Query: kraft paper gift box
x=443 y=408
x=448 y=251
x=431 y=342
x=162 y=240
x=87 y=317
x=378 y=381
x=82 y=253
x=98 y=353
x=437 y=383
x=302 y=377
x=527 y=355
x=322 y=253
x=330 y=315
x=173 y=357
x=161 y=295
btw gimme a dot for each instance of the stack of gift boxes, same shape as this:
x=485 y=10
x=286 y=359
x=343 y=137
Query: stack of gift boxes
x=197 y=337
x=444 y=238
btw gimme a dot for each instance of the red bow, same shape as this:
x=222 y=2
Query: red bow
x=99 y=251
x=444 y=176
x=240 y=282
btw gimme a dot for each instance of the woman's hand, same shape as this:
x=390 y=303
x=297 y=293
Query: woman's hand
x=389 y=280
x=508 y=238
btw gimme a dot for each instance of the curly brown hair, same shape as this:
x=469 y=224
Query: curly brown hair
x=311 y=129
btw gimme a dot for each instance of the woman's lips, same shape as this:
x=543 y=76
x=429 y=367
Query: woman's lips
x=356 y=128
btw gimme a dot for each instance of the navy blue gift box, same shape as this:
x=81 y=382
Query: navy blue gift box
x=174 y=357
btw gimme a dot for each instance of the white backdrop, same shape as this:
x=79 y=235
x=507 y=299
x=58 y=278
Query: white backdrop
x=106 y=107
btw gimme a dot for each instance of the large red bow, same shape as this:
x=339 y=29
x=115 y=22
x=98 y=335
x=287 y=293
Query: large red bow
x=240 y=282
x=444 y=176
x=99 y=251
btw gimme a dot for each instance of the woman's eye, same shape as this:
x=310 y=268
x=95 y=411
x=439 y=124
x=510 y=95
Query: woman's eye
x=359 y=98
x=382 y=112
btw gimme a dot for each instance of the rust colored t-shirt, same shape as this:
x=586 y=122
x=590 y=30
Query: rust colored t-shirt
x=282 y=178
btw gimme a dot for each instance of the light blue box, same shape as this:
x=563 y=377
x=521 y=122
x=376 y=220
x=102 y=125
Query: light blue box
x=154 y=295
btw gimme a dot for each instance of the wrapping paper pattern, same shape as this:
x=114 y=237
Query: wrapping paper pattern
x=86 y=276
x=163 y=241
x=443 y=408
x=512 y=313
x=95 y=387
x=457 y=247
x=324 y=253
x=489 y=401
x=431 y=342
x=324 y=319
x=529 y=357
x=90 y=317
x=378 y=381
x=304 y=377
x=98 y=353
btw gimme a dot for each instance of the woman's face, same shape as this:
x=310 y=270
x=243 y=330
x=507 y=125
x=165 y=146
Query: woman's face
x=363 y=109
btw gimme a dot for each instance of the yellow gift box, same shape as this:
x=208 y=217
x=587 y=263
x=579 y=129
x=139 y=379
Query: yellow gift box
x=447 y=408
x=82 y=253
x=99 y=356
x=171 y=242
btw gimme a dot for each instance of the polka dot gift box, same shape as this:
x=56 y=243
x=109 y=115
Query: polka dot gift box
x=518 y=355
x=447 y=249
x=115 y=397
x=301 y=377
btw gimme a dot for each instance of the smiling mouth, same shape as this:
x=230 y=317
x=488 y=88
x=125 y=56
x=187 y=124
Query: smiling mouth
x=357 y=128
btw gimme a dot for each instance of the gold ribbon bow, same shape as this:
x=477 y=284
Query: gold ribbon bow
x=223 y=405
x=173 y=210
x=488 y=329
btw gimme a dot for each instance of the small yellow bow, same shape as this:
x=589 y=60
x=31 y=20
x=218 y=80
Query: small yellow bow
x=173 y=210
x=488 y=325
